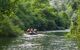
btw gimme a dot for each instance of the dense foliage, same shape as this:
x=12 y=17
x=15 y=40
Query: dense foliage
x=41 y=15
x=75 y=23
x=18 y=15
x=7 y=18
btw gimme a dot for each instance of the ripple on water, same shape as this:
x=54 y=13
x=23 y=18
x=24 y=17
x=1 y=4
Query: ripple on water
x=38 y=35
x=28 y=45
x=41 y=42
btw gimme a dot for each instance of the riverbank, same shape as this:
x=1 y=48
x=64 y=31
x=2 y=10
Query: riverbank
x=66 y=30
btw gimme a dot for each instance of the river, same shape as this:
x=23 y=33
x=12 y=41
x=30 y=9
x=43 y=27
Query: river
x=46 y=41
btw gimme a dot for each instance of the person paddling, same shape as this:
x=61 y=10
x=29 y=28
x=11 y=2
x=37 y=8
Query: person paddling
x=32 y=31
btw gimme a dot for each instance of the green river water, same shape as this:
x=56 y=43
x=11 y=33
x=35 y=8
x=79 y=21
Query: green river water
x=47 y=41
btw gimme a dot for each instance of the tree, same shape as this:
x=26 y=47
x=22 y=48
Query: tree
x=39 y=13
x=7 y=18
x=75 y=23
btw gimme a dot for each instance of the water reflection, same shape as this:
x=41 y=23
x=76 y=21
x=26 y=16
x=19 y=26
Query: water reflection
x=48 y=41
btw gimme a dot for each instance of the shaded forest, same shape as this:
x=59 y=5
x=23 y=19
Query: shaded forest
x=18 y=16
